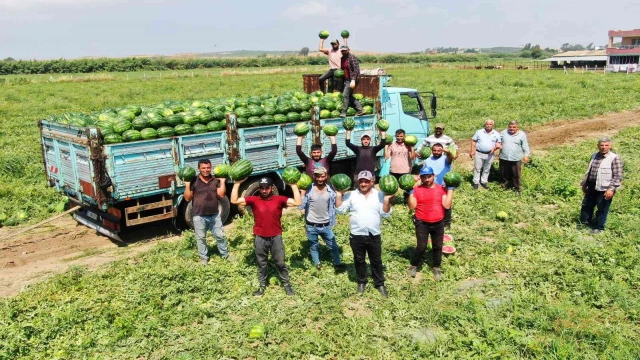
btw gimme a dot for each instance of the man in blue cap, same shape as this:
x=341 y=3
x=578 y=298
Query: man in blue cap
x=430 y=201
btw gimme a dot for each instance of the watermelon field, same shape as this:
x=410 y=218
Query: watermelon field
x=528 y=286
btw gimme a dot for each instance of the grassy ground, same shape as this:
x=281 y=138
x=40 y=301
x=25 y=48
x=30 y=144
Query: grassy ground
x=530 y=287
x=467 y=97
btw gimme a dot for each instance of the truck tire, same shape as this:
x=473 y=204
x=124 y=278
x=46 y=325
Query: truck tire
x=223 y=207
x=252 y=188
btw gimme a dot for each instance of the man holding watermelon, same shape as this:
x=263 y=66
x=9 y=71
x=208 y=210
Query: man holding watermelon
x=401 y=155
x=334 y=55
x=441 y=166
x=267 y=229
x=319 y=213
x=429 y=200
x=316 y=159
x=351 y=67
x=367 y=206
x=204 y=190
x=366 y=154
x=438 y=137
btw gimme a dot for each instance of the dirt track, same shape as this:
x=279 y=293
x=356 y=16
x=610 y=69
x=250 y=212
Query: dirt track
x=54 y=247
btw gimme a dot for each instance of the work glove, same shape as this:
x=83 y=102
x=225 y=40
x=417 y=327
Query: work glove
x=451 y=187
x=352 y=84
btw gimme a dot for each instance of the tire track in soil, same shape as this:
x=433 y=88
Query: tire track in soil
x=54 y=247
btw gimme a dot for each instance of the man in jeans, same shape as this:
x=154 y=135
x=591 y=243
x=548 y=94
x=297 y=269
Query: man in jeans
x=367 y=206
x=429 y=200
x=320 y=218
x=484 y=143
x=334 y=55
x=351 y=67
x=267 y=229
x=514 y=151
x=599 y=185
x=204 y=190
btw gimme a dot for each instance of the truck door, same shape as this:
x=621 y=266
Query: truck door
x=412 y=116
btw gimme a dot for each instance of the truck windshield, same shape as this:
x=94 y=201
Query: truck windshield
x=412 y=105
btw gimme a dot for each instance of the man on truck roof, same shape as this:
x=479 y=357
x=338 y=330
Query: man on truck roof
x=351 y=67
x=366 y=154
x=334 y=55
x=205 y=190
x=316 y=159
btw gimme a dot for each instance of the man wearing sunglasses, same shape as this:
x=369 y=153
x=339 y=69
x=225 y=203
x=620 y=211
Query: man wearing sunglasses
x=367 y=206
x=430 y=201
x=267 y=214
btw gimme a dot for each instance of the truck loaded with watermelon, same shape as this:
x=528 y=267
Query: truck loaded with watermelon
x=127 y=166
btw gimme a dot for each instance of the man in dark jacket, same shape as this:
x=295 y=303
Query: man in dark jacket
x=365 y=154
x=351 y=67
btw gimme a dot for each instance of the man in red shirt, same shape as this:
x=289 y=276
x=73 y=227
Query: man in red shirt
x=267 y=213
x=430 y=201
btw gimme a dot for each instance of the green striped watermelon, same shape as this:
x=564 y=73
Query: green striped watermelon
x=338 y=73
x=340 y=182
x=348 y=123
x=183 y=129
x=279 y=118
x=301 y=129
x=200 y=129
x=325 y=114
x=291 y=175
x=389 y=139
x=175 y=119
x=121 y=126
x=141 y=122
x=112 y=139
x=388 y=185
x=330 y=130
x=187 y=173
x=166 y=131
x=383 y=125
x=304 y=182
x=407 y=182
x=452 y=179
x=148 y=133
x=424 y=153
x=344 y=34
x=323 y=34
x=241 y=169
x=221 y=171
x=411 y=140
x=131 y=135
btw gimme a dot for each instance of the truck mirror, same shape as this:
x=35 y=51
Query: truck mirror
x=434 y=103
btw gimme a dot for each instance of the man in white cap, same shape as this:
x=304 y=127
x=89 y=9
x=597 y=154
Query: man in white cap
x=320 y=217
x=367 y=206
x=366 y=154
x=334 y=55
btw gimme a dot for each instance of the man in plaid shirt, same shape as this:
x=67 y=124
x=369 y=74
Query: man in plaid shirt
x=600 y=183
x=351 y=67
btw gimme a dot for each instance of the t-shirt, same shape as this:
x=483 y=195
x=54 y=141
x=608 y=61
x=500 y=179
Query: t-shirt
x=267 y=214
x=486 y=141
x=429 y=202
x=205 y=197
x=399 y=154
x=440 y=167
x=365 y=156
x=334 y=58
x=319 y=206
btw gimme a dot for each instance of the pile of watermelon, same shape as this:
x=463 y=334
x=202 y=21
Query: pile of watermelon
x=175 y=118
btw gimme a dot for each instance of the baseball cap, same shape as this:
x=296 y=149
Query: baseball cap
x=366 y=134
x=365 y=174
x=439 y=125
x=335 y=42
x=320 y=170
x=265 y=182
x=343 y=47
x=426 y=170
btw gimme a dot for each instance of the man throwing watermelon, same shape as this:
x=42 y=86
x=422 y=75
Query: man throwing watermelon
x=334 y=55
x=430 y=201
x=267 y=214
x=351 y=67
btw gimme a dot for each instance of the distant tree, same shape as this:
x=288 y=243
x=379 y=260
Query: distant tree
x=470 y=51
x=304 y=51
x=536 y=52
x=527 y=47
x=9 y=59
x=590 y=46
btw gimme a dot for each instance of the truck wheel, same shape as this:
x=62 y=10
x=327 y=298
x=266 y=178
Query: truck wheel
x=252 y=189
x=223 y=207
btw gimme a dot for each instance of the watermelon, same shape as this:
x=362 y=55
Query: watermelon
x=131 y=135
x=241 y=169
x=158 y=122
x=367 y=101
x=411 y=140
x=221 y=171
x=452 y=150
x=389 y=185
x=325 y=114
x=270 y=110
x=304 y=182
x=106 y=130
x=189 y=119
x=241 y=103
x=329 y=105
x=187 y=173
x=348 y=123
x=256 y=110
x=382 y=125
x=338 y=73
x=183 y=129
x=255 y=121
x=318 y=93
x=121 y=126
x=166 y=112
x=254 y=100
x=358 y=96
x=367 y=109
x=112 y=139
x=200 y=129
x=217 y=115
x=340 y=182
x=452 y=179
x=305 y=105
x=242 y=112
x=175 y=119
x=305 y=115
x=242 y=122
x=126 y=114
x=424 y=153
x=148 y=133
x=293 y=116
x=389 y=139
x=257 y=331
x=324 y=34
x=268 y=119
x=291 y=175
x=166 y=131
x=279 y=118
x=295 y=107
x=330 y=130
x=344 y=34
x=176 y=107
x=215 y=125
x=301 y=129
x=140 y=123
x=351 y=111
x=502 y=216
x=335 y=113
x=283 y=108
x=407 y=182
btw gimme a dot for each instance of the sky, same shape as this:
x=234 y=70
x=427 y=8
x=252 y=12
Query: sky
x=51 y=29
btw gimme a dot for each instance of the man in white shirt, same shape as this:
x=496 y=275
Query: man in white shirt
x=438 y=137
x=367 y=206
x=335 y=56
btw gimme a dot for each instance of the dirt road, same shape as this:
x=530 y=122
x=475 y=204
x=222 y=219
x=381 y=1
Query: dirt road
x=54 y=247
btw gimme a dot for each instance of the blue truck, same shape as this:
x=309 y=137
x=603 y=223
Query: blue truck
x=134 y=183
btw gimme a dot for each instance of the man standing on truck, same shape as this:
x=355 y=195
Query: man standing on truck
x=366 y=154
x=316 y=159
x=204 y=190
x=351 y=67
x=401 y=155
x=267 y=229
x=334 y=55
x=320 y=218
x=367 y=206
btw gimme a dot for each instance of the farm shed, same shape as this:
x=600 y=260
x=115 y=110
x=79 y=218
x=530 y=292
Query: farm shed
x=580 y=58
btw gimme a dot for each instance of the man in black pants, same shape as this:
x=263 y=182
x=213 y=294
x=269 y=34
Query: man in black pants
x=429 y=201
x=365 y=154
